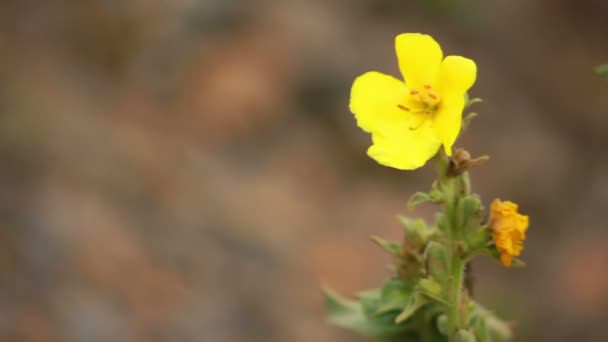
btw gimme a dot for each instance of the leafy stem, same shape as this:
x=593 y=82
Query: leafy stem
x=453 y=188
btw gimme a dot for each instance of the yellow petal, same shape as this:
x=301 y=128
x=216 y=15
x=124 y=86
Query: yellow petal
x=374 y=100
x=448 y=120
x=404 y=148
x=419 y=58
x=457 y=74
x=506 y=259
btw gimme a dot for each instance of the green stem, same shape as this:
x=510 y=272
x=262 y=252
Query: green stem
x=457 y=276
x=453 y=187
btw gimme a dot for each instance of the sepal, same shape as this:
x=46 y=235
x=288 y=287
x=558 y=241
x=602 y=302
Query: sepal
x=434 y=196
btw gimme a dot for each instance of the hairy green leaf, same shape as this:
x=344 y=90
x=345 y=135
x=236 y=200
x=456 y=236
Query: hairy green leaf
x=417 y=300
x=351 y=315
x=392 y=247
x=395 y=295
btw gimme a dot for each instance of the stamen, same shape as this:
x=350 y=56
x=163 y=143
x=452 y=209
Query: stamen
x=427 y=86
x=414 y=92
x=419 y=124
x=433 y=96
x=402 y=107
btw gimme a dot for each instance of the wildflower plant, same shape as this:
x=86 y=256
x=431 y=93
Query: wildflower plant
x=411 y=122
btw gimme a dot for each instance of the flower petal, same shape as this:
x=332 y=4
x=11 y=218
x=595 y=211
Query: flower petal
x=448 y=120
x=456 y=75
x=419 y=58
x=506 y=259
x=374 y=100
x=404 y=148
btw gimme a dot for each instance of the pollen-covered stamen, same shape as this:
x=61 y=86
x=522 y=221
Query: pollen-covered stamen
x=425 y=101
x=402 y=107
x=430 y=97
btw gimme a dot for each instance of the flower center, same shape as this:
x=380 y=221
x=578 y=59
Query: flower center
x=422 y=102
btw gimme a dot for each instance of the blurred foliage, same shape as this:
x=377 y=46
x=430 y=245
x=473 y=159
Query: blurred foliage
x=602 y=71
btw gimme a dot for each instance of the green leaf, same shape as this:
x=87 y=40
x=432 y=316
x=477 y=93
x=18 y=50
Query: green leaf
x=392 y=247
x=478 y=324
x=416 y=231
x=395 y=289
x=435 y=193
x=602 y=71
x=395 y=295
x=442 y=324
x=433 y=196
x=464 y=335
x=416 y=302
x=430 y=287
x=479 y=241
x=417 y=199
x=343 y=312
x=370 y=300
x=351 y=315
x=469 y=213
x=470 y=206
x=436 y=256
x=487 y=326
x=442 y=223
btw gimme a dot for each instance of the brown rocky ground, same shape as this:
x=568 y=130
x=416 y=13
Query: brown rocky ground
x=189 y=171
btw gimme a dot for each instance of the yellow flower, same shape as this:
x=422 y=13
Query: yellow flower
x=508 y=230
x=410 y=120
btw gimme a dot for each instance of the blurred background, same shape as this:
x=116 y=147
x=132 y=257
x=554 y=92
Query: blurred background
x=189 y=170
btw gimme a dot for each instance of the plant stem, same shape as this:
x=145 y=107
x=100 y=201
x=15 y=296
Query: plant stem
x=453 y=188
x=457 y=276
